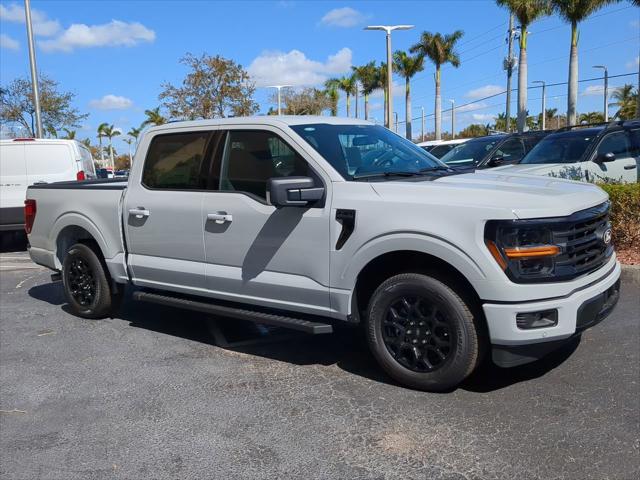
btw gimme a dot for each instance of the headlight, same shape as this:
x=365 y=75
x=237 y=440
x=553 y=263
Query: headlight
x=524 y=250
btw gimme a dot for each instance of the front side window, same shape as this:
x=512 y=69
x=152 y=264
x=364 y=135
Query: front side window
x=617 y=143
x=471 y=152
x=358 y=151
x=175 y=161
x=511 y=150
x=252 y=157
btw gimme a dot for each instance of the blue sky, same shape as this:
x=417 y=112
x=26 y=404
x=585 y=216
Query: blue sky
x=116 y=54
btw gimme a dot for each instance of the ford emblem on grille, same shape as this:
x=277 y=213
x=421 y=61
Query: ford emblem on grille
x=606 y=236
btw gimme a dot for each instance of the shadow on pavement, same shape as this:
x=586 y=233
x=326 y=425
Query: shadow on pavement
x=13 y=242
x=346 y=347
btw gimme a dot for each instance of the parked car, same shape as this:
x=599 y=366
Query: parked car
x=105 y=173
x=121 y=174
x=308 y=222
x=493 y=150
x=438 y=148
x=25 y=161
x=594 y=153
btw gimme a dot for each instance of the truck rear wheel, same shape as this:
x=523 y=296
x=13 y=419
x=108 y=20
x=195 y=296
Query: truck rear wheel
x=87 y=285
x=422 y=333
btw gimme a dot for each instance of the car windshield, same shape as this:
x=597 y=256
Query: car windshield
x=471 y=152
x=566 y=147
x=360 y=151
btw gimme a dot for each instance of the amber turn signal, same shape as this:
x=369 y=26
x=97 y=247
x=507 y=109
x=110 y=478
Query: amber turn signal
x=532 y=252
x=496 y=254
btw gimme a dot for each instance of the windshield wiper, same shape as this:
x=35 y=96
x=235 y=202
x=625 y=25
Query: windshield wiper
x=433 y=169
x=386 y=174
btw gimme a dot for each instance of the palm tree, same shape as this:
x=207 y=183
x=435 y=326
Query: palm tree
x=591 y=117
x=69 y=134
x=368 y=76
x=129 y=141
x=101 y=128
x=135 y=133
x=440 y=50
x=154 y=117
x=526 y=11
x=625 y=98
x=574 y=12
x=348 y=84
x=407 y=66
x=110 y=131
x=331 y=87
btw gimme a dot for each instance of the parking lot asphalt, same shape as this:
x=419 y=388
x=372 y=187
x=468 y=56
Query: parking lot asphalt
x=162 y=393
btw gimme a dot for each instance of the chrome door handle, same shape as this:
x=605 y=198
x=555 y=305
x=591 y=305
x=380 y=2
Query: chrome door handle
x=139 y=212
x=220 y=217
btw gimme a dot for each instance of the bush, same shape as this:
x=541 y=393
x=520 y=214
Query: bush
x=625 y=213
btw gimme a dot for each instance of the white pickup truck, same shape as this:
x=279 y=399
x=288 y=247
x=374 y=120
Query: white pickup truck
x=309 y=222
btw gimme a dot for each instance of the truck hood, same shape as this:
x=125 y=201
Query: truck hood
x=570 y=171
x=520 y=195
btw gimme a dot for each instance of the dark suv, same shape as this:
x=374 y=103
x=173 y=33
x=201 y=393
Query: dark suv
x=493 y=150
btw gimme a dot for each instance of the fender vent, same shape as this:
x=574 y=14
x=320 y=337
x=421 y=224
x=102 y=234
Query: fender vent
x=348 y=220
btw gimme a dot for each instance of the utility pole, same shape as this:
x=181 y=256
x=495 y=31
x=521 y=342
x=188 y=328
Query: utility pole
x=357 y=89
x=395 y=114
x=34 y=70
x=606 y=91
x=544 y=102
x=509 y=63
x=422 y=138
x=453 y=119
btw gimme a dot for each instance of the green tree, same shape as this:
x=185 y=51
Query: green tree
x=368 y=76
x=110 y=131
x=154 y=117
x=440 y=49
x=69 y=134
x=129 y=141
x=625 y=99
x=135 y=133
x=474 y=130
x=331 y=89
x=56 y=107
x=574 y=12
x=407 y=66
x=214 y=87
x=591 y=117
x=526 y=11
x=309 y=101
x=501 y=123
x=348 y=85
x=101 y=129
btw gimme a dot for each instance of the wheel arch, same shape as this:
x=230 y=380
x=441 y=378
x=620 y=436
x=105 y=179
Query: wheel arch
x=71 y=229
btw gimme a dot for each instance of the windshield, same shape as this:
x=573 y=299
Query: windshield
x=357 y=151
x=560 y=148
x=471 y=152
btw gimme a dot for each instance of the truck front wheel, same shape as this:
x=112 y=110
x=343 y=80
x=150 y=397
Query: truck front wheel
x=86 y=283
x=422 y=333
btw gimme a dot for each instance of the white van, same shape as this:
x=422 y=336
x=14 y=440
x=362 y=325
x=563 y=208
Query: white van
x=26 y=161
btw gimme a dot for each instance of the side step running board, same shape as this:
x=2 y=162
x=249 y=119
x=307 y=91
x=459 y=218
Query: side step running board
x=239 y=313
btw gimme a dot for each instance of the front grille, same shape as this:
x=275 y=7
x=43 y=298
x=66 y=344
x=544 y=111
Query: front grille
x=581 y=239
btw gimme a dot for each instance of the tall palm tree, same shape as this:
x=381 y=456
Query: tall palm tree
x=407 y=66
x=348 y=84
x=129 y=141
x=110 y=131
x=69 y=134
x=440 y=49
x=574 y=12
x=331 y=87
x=101 y=128
x=368 y=76
x=624 y=99
x=591 y=117
x=526 y=11
x=154 y=117
x=135 y=133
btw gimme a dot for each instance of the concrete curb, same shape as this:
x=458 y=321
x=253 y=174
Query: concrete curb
x=631 y=273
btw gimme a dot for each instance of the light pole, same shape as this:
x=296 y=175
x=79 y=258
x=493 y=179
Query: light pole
x=422 y=111
x=34 y=70
x=606 y=91
x=453 y=119
x=395 y=116
x=279 y=87
x=544 y=102
x=388 y=29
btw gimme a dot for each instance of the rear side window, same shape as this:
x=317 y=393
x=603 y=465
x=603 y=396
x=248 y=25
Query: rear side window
x=175 y=161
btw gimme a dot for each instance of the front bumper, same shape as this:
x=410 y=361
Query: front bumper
x=576 y=312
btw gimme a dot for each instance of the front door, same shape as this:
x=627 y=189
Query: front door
x=623 y=169
x=163 y=213
x=254 y=251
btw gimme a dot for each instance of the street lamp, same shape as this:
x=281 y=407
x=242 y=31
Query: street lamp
x=279 y=87
x=453 y=119
x=388 y=29
x=544 y=101
x=606 y=91
x=37 y=131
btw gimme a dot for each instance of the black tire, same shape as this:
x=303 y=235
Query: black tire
x=415 y=320
x=87 y=283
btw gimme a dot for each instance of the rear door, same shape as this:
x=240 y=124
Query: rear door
x=624 y=168
x=163 y=213
x=13 y=183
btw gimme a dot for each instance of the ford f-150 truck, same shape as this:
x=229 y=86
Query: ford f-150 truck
x=310 y=222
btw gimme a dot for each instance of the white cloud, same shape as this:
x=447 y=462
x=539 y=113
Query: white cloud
x=111 y=102
x=483 y=117
x=593 y=90
x=343 y=17
x=294 y=68
x=633 y=63
x=42 y=25
x=112 y=34
x=471 y=107
x=9 y=43
x=485 y=91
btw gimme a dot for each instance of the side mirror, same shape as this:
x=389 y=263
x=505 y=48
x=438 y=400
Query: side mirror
x=605 y=157
x=293 y=191
x=496 y=161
